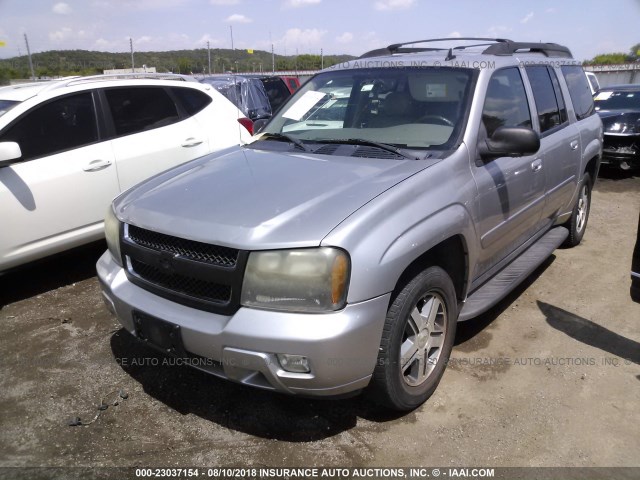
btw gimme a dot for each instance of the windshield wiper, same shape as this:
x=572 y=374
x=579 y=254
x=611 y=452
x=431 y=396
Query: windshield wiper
x=286 y=138
x=370 y=143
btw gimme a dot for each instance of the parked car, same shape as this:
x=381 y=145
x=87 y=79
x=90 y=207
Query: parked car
x=619 y=108
x=256 y=96
x=594 y=84
x=67 y=147
x=293 y=83
x=327 y=257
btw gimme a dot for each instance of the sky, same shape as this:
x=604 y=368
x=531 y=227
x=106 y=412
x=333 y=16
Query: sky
x=587 y=27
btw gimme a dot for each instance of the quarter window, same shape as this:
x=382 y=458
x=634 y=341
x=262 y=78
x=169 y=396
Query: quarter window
x=192 y=100
x=139 y=109
x=62 y=124
x=506 y=103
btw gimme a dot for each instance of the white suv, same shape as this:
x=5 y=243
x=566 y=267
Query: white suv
x=67 y=147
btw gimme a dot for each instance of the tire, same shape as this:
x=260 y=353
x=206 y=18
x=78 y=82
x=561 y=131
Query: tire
x=414 y=349
x=577 y=224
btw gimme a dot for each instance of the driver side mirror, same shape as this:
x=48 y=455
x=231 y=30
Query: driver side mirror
x=9 y=153
x=509 y=142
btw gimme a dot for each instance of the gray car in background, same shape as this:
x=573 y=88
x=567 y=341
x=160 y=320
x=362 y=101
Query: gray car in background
x=391 y=197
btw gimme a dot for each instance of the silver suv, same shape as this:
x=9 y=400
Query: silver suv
x=391 y=197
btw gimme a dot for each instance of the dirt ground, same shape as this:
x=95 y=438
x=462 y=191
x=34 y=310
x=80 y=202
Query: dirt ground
x=550 y=377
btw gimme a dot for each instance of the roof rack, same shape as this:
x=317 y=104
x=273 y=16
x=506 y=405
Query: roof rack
x=495 y=46
x=117 y=76
x=548 y=49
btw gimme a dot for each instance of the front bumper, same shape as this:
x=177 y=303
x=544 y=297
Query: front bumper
x=621 y=150
x=342 y=347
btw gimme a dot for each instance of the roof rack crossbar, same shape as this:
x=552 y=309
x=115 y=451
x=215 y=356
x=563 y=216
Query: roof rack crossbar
x=396 y=46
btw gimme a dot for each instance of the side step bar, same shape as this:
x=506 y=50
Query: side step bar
x=512 y=275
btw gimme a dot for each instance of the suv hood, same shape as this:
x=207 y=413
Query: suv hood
x=256 y=199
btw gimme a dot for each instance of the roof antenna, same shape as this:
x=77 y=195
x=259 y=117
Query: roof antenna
x=450 y=55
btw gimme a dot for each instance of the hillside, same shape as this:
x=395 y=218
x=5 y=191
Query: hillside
x=85 y=62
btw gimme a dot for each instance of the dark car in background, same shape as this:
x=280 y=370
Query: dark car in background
x=258 y=97
x=635 y=269
x=619 y=109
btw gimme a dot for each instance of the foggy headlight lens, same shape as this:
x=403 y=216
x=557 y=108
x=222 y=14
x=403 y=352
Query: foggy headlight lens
x=304 y=280
x=112 y=234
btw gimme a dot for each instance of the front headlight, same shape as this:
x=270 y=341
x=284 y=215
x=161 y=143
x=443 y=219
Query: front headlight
x=302 y=280
x=112 y=234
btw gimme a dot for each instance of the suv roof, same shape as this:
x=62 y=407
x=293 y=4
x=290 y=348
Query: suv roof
x=494 y=46
x=24 y=91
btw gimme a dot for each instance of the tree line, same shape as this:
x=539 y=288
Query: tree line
x=56 y=63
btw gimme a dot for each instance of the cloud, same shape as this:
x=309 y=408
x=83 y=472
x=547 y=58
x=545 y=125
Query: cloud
x=61 y=35
x=498 y=31
x=300 y=3
x=550 y=10
x=455 y=34
x=62 y=8
x=238 y=18
x=306 y=38
x=394 y=4
x=346 y=37
x=527 y=17
x=224 y=2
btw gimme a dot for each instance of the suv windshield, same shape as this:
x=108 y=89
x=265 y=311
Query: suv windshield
x=414 y=108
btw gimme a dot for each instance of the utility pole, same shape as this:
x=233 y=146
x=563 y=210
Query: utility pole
x=133 y=67
x=273 y=61
x=321 y=59
x=231 y=30
x=33 y=73
x=209 y=55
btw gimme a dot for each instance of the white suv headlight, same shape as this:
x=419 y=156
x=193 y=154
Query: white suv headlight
x=112 y=234
x=301 y=280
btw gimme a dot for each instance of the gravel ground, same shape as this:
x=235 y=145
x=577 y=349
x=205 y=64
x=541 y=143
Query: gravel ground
x=550 y=377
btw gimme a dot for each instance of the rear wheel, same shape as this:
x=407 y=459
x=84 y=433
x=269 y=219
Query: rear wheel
x=577 y=224
x=416 y=341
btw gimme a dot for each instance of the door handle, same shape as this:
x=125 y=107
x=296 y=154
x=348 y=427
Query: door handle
x=574 y=145
x=536 y=165
x=191 y=142
x=97 y=165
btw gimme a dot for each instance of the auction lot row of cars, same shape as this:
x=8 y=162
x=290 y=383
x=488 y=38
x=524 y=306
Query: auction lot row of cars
x=376 y=209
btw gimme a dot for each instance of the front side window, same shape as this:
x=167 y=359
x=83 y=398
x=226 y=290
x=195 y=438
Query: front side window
x=506 y=102
x=59 y=125
x=137 y=109
x=579 y=90
x=409 y=108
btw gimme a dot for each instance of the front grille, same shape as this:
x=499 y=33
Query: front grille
x=198 y=251
x=193 y=287
x=196 y=274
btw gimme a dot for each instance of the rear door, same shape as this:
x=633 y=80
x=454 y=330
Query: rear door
x=152 y=134
x=559 y=140
x=510 y=189
x=56 y=196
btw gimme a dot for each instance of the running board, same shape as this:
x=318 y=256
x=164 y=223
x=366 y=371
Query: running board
x=512 y=275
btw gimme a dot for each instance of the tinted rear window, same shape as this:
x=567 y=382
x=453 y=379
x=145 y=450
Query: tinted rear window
x=578 y=90
x=192 y=100
x=136 y=109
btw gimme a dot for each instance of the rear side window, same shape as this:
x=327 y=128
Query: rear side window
x=137 y=109
x=506 y=103
x=62 y=124
x=277 y=92
x=549 y=102
x=192 y=100
x=578 y=90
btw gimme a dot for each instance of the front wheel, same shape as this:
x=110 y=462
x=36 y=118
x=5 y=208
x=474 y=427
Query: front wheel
x=577 y=224
x=416 y=341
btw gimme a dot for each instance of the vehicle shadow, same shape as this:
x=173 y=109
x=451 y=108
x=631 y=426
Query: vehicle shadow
x=263 y=413
x=50 y=273
x=237 y=407
x=466 y=331
x=591 y=333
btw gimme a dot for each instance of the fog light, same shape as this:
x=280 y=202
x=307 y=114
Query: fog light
x=294 y=363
